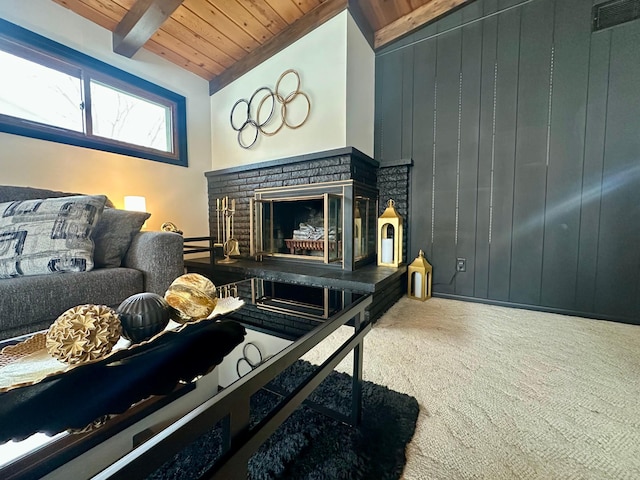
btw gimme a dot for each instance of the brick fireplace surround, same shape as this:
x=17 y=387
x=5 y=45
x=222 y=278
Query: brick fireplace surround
x=392 y=181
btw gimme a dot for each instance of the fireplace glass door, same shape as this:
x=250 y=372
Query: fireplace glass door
x=299 y=227
x=309 y=222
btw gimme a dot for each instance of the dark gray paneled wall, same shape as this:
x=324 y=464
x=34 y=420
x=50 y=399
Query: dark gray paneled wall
x=524 y=129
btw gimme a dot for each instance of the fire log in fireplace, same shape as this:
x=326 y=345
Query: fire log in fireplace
x=333 y=223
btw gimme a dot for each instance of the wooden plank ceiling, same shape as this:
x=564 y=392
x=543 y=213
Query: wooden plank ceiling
x=220 y=40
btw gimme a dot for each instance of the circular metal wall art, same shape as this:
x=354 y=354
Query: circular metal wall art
x=290 y=99
x=249 y=124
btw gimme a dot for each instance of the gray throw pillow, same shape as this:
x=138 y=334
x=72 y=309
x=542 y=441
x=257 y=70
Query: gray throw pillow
x=48 y=235
x=11 y=193
x=113 y=234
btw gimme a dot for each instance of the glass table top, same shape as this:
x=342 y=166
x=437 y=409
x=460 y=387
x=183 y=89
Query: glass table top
x=276 y=316
x=285 y=309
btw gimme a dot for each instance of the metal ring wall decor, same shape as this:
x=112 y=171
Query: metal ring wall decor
x=256 y=123
x=249 y=363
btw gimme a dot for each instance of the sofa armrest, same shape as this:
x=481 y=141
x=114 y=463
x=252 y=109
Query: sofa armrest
x=159 y=255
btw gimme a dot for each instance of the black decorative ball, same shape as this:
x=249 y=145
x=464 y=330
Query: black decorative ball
x=143 y=315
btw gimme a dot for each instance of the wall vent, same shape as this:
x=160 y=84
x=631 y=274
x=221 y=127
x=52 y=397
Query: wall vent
x=614 y=12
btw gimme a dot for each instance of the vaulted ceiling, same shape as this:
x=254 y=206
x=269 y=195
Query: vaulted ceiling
x=220 y=40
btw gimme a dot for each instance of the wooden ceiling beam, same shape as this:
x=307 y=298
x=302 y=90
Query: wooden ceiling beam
x=293 y=32
x=420 y=16
x=140 y=23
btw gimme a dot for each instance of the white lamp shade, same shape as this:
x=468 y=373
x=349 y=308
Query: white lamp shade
x=135 y=203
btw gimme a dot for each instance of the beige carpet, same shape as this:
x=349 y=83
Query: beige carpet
x=510 y=394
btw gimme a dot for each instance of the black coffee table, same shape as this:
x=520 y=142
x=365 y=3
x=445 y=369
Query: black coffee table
x=301 y=316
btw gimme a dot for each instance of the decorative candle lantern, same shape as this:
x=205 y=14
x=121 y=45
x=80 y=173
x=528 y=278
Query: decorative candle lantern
x=390 y=237
x=419 y=278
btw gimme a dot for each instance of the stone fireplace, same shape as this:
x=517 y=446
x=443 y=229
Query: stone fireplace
x=311 y=220
x=312 y=173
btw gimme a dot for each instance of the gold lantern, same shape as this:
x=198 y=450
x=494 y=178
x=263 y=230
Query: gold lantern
x=390 y=237
x=419 y=278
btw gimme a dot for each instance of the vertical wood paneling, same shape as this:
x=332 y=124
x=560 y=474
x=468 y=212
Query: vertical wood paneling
x=378 y=133
x=528 y=123
x=566 y=153
x=618 y=253
x=446 y=152
x=407 y=102
x=591 y=196
x=508 y=48
x=485 y=148
x=530 y=179
x=422 y=153
x=468 y=147
x=390 y=106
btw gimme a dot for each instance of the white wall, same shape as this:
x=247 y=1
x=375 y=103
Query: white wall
x=342 y=98
x=360 y=90
x=173 y=193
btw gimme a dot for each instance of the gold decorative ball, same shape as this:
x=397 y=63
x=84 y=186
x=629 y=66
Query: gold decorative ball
x=193 y=296
x=83 y=333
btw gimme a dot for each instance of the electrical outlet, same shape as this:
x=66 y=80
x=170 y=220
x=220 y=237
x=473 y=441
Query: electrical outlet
x=461 y=264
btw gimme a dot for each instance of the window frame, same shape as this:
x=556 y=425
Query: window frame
x=36 y=48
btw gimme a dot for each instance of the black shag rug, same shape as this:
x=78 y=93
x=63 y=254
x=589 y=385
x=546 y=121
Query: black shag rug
x=309 y=445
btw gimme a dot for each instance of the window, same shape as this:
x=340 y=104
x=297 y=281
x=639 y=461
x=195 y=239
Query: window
x=52 y=92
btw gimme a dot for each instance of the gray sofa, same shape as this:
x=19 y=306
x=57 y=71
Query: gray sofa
x=31 y=303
